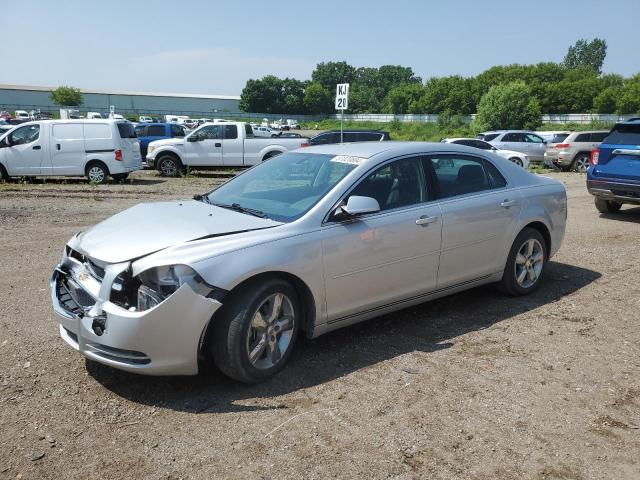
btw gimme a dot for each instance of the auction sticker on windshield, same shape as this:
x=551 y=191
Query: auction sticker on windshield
x=347 y=159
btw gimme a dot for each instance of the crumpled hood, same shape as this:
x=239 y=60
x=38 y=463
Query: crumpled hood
x=150 y=227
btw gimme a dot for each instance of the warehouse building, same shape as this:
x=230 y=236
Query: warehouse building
x=27 y=97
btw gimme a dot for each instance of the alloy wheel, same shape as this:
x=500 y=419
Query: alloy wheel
x=270 y=332
x=96 y=174
x=168 y=168
x=529 y=263
x=582 y=164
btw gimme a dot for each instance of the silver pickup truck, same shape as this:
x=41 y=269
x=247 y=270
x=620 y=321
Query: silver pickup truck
x=228 y=144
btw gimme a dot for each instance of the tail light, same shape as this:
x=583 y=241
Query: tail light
x=304 y=144
x=563 y=145
x=593 y=158
x=119 y=155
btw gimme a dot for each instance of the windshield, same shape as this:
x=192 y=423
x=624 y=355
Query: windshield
x=286 y=186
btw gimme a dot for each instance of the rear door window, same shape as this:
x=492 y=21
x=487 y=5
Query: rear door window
x=126 y=130
x=624 y=134
x=177 y=131
x=369 y=137
x=156 y=131
x=513 y=137
x=230 y=132
x=598 y=136
x=248 y=130
x=141 y=131
x=349 y=137
x=464 y=174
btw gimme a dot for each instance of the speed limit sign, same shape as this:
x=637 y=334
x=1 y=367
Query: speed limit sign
x=342 y=96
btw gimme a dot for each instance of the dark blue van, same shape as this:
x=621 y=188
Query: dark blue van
x=149 y=132
x=614 y=175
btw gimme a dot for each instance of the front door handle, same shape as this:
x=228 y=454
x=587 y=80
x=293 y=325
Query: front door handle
x=508 y=203
x=425 y=220
x=37 y=147
x=218 y=144
x=58 y=146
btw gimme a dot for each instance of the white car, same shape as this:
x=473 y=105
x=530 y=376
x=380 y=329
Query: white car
x=524 y=141
x=516 y=157
x=95 y=149
x=265 y=132
x=22 y=115
x=145 y=119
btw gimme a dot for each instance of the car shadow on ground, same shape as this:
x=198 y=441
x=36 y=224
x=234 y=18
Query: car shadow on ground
x=83 y=181
x=428 y=327
x=626 y=214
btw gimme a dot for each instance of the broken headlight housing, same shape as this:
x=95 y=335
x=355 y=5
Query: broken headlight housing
x=159 y=283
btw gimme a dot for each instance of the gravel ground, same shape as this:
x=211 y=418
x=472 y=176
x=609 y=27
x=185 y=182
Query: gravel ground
x=475 y=386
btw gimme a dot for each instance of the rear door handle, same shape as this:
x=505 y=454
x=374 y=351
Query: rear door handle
x=57 y=146
x=425 y=220
x=508 y=203
x=37 y=147
x=218 y=144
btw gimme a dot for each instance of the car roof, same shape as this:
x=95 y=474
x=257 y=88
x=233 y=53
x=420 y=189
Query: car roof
x=369 y=149
x=355 y=130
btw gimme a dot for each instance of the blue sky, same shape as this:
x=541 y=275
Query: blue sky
x=213 y=47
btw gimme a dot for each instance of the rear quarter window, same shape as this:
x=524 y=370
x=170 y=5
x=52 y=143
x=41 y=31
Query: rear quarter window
x=126 y=130
x=624 y=134
x=95 y=131
x=583 y=137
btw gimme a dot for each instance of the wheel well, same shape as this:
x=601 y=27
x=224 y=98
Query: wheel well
x=544 y=231
x=581 y=153
x=270 y=154
x=96 y=162
x=307 y=302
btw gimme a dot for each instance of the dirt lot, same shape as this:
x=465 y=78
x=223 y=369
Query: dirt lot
x=475 y=386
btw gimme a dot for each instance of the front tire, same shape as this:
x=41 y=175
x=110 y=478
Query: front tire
x=4 y=176
x=169 y=166
x=525 y=264
x=255 y=330
x=607 y=206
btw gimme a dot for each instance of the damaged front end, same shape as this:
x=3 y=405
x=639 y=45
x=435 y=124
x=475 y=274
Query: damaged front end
x=149 y=323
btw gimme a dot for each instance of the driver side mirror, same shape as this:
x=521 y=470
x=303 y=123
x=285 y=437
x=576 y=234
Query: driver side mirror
x=5 y=142
x=193 y=138
x=357 y=205
x=494 y=149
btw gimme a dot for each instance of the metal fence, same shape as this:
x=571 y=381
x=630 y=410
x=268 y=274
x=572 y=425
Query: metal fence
x=560 y=118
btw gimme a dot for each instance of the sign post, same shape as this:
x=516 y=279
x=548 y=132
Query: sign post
x=342 y=102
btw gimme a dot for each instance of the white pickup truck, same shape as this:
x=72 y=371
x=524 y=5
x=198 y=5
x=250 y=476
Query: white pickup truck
x=229 y=144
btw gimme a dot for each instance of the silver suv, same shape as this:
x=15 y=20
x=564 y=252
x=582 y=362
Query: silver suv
x=523 y=141
x=572 y=153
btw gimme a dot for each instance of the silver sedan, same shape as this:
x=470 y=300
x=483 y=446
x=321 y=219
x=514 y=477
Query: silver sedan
x=305 y=243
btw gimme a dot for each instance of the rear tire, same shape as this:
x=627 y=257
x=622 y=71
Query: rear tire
x=580 y=163
x=169 y=166
x=525 y=264
x=97 y=172
x=607 y=206
x=254 y=333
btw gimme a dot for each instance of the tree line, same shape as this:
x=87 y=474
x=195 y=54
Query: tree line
x=575 y=85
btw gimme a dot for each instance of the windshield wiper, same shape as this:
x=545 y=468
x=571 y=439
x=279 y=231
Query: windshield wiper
x=239 y=208
x=202 y=198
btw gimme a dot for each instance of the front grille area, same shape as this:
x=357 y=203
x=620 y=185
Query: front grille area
x=66 y=298
x=131 y=357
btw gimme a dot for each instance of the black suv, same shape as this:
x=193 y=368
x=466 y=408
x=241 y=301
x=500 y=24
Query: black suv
x=349 y=136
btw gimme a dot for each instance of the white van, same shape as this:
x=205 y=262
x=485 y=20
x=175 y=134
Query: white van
x=95 y=149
